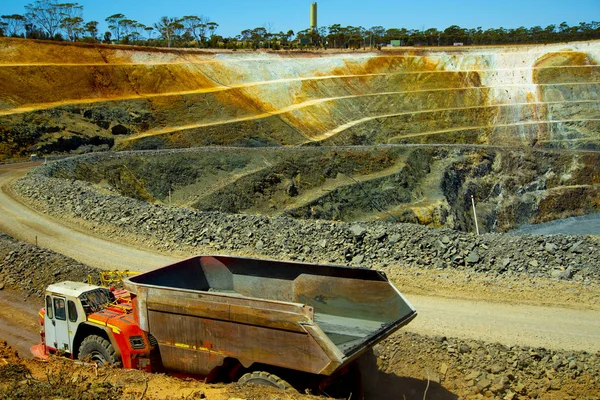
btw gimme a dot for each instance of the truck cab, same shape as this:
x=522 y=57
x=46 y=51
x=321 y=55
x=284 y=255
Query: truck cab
x=85 y=321
x=68 y=305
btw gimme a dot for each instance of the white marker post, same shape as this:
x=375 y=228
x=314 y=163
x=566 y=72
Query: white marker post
x=475 y=215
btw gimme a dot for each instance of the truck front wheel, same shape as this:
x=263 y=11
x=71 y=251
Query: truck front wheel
x=98 y=349
x=266 y=379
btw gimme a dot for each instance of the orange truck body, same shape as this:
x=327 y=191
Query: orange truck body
x=115 y=320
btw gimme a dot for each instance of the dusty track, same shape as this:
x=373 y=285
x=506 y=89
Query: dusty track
x=549 y=327
x=24 y=223
x=19 y=324
x=510 y=324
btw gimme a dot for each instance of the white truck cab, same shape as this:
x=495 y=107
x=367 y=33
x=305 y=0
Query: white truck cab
x=68 y=305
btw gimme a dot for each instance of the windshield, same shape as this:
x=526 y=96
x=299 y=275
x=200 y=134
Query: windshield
x=96 y=300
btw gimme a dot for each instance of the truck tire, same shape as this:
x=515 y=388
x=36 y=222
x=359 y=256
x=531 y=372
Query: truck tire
x=98 y=349
x=266 y=379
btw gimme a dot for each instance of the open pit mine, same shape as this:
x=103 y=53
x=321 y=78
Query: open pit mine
x=516 y=127
x=365 y=159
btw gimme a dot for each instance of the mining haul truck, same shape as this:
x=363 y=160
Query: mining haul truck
x=282 y=324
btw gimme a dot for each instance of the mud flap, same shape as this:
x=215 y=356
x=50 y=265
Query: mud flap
x=39 y=352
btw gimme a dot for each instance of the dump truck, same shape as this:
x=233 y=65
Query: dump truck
x=283 y=324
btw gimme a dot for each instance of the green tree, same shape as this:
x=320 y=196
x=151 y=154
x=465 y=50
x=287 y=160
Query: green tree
x=454 y=34
x=114 y=24
x=432 y=36
x=258 y=36
x=149 y=31
x=46 y=15
x=169 y=28
x=73 y=27
x=92 y=29
x=212 y=28
x=132 y=30
x=245 y=36
x=335 y=36
x=71 y=19
x=129 y=29
x=549 y=33
x=376 y=34
x=521 y=35
x=396 y=34
x=195 y=26
x=13 y=24
x=284 y=37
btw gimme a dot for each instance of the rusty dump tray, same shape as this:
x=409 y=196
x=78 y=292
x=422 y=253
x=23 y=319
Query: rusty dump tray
x=308 y=317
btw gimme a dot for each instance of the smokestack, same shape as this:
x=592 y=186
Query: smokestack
x=313 y=16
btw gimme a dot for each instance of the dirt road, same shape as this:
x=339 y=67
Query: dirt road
x=24 y=223
x=550 y=327
x=19 y=321
x=523 y=325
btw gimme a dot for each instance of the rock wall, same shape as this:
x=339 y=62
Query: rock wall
x=544 y=96
x=428 y=185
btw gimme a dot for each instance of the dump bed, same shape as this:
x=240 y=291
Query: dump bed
x=306 y=317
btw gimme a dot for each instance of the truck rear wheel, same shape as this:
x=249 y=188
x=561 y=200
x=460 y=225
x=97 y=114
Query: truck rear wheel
x=98 y=349
x=266 y=379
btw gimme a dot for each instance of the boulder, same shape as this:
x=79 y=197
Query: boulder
x=120 y=130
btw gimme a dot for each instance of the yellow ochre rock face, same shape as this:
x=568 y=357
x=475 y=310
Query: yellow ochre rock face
x=542 y=96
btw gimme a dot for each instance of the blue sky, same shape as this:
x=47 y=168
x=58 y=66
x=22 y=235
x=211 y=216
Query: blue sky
x=233 y=16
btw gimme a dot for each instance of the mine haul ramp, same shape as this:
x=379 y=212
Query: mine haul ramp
x=301 y=317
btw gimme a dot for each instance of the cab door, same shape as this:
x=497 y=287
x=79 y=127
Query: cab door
x=56 y=324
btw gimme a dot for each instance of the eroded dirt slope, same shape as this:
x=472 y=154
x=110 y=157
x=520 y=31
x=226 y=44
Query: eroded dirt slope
x=58 y=97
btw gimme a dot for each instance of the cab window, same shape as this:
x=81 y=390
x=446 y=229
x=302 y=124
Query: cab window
x=49 y=312
x=59 y=309
x=72 y=311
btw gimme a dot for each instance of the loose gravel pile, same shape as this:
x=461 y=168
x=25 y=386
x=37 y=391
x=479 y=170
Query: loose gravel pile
x=372 y=244
x=475 y=369
x=29 y=269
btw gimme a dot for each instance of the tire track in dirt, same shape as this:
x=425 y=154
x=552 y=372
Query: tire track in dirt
x=523 y=325
x=19 y=324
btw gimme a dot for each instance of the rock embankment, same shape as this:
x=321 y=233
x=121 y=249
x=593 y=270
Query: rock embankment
x=474 y=369
x=372 y=244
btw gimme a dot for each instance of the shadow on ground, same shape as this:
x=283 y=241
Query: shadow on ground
x=377 y=384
